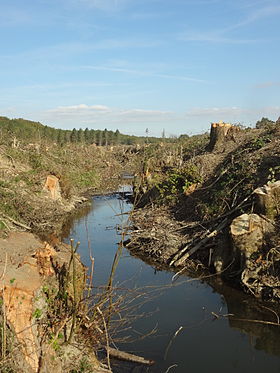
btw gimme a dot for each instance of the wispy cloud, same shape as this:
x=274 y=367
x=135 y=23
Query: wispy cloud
x=107 y=5
x=222 y=35
x=233 y=113
x=215 y=111
x=10 y=17
x=63 y=85
x=61 y=50
x=143 y=73
x=267 y=85
x=214 y=37
x=258 y=14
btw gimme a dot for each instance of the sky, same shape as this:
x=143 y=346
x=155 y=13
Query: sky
x=132 y=65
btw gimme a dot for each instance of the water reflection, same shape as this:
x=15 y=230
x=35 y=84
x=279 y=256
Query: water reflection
x=264 y=337
x=205 y=342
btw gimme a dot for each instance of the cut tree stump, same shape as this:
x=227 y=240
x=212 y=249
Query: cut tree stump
x=52 y=187
x=268 y=199
x=219 y=134
x=248 y=236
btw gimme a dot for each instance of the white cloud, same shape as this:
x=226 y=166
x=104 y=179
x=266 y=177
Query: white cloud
x=134 y=121
x=234 y=114
x=82 y=115
x=79 y=109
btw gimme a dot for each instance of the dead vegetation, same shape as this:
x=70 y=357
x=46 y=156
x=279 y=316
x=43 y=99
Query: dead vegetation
x=202 y=196
x=78 y=169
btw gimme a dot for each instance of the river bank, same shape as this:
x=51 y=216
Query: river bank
x=216 y=209
x=186 y=199
x=42 y=279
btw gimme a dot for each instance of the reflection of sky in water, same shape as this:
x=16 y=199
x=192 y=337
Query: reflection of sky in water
x=203 y=345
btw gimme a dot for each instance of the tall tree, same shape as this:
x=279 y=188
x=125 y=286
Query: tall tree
x=92 y=137
x=100 y=138
x=117 y=137
x=105 y=133
x=73 y=136
x=60 y=137
x=86 y=133
x=81 y=136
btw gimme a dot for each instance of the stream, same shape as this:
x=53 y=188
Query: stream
x=184 y=322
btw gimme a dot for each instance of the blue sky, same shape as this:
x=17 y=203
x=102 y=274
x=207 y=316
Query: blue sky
x=135 y=64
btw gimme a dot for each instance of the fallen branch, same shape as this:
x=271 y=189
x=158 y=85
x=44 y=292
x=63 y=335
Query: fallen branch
x=235 y=208
x=186 y=248
x=128 y=357
x=263 y=322
x=16 y=222
x=215 y=181
x=201 y=243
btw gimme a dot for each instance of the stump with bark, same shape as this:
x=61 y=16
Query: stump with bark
x=220 y=133
x=268 y=199
x=248 y=233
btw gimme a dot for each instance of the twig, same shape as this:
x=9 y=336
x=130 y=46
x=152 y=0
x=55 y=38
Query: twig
x=4 y=327
x=107 y=337
x=215 y=181
x=201 y=277
x=75 y=300
x=171 y=341
x=255 y=321
x=171 y=366
x=269 y=309
x=234 y=209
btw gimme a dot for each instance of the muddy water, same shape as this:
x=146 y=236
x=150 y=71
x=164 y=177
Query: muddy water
x=187 y=336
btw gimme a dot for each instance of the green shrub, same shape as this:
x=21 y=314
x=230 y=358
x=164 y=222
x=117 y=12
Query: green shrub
x=177 y=181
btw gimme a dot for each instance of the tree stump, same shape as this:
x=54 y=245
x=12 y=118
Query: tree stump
x=219 y=134
x=268 y=199
x=248 y=236
x=52 y=187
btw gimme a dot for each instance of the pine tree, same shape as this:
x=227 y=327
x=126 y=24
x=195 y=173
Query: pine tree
x=60 y=137
x=105 y=133
x=73 y=136
x=87 y=135
x=81 y=136
x=100 y=138
x=117 y=137
x=92 y=137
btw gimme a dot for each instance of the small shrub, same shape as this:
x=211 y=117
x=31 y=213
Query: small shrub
x=177 y=182
x=35 y=161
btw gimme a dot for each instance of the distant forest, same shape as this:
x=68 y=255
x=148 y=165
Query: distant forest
x=29 y=131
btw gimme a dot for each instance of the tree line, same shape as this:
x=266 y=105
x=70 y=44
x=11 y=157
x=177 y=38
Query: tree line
x=28 y=131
